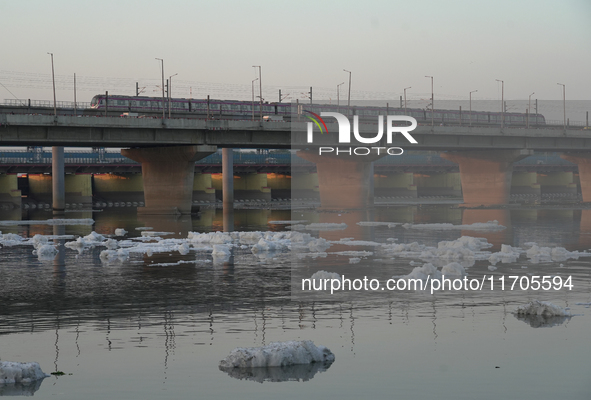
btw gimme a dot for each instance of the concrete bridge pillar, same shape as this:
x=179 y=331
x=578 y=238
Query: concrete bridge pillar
x=168 y=176
x=583 y=161
x=58 y=178
x=486 y=175
x=344 y=181
x=228 y=177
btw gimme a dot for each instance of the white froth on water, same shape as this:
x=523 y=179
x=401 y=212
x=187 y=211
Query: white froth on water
x=296 y=221
x=428 y=271
x=353 y=253
x=508 y=254
x=45 y=252
x=490 y=226
x=373 y=223
x=56 y=221
x=120 y=232
x=543 y=309
x=320 y=227
x=278 y=354
x=325 y=275
x=17 y=372
x=537 y=254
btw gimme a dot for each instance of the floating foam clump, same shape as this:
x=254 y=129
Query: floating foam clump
x=428 y=271
x=56 y=221
x=490 y=226
x=507 y=254
x=372 y=223
x=278 y=354
x=325 y=275
x=45 y=252
x=538 y=254
x=16 y=372
x=10 y=239
x=183 y=248
x=221 y=253
x=317 y=226
x=94 y=237
x=120 y=232
x=542 y=309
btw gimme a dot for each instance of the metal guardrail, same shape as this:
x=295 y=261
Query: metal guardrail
x=45 y=103
x=560 y=122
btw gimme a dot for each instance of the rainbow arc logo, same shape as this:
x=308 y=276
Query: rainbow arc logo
x=315 y=120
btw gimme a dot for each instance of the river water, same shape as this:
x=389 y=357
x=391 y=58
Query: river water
x=157 y=323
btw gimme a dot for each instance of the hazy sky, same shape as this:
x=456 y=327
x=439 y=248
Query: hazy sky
x=212 y=45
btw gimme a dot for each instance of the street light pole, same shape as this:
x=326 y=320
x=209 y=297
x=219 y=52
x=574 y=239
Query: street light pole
x=75 y=108
x=349 y=100
x=405 y=98
x=432 y=100
x=502 y=102
x=170 y=92
x=338 y=94
x=260 y=89
x=252 y=84
x=529 y=109
x=564 y=102
x=471 y=105
x=163 y=112
x=53 y=78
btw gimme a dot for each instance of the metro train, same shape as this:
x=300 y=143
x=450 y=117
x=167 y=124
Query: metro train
x=234 y=109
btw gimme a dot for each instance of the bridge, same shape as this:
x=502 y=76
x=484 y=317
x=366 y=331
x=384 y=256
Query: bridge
x=168 y=149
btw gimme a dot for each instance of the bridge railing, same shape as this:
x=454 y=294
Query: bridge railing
x=560 y=122
x=45 y=103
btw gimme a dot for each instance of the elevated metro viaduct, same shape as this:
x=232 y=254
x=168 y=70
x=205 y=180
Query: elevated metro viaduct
x=168 y=148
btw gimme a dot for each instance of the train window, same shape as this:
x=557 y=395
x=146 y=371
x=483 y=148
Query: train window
x=143 y=103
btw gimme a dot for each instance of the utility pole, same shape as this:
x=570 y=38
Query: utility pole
x=564 y=102
x=75 y=108
x=349 y=99
x=260 y=88
x=432 y=101
x=163 y=112
x=53 y=78
x=471 y=105
x=502 y=102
